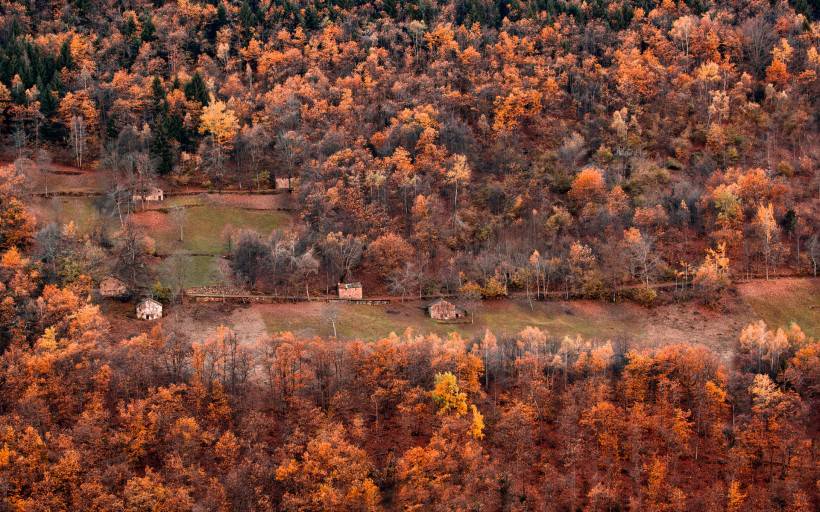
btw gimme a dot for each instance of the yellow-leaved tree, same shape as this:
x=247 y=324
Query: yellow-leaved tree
x=222 y=125
x=79 y=115
x=220 y=122
x=769 y=231
x=713 y=274
x=448 y=396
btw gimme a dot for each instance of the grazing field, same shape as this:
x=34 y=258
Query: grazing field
x=365 y=322
x=83 y=211
x=592 y=320
x=196 y=271
x=204 y=226
x=206 y=220
x=62 y=178
x=204 y=223
x=793 y=300
x=783 y=301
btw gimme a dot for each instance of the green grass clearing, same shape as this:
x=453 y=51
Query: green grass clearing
x=203 y=228
x=503 y=318
x=202 y=232
x=205 y=225
x=80 y=210
x=783 y=301
x=196 y=271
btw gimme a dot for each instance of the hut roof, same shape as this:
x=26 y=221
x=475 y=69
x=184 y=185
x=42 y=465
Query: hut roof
x=148 y=302
x=112 y=286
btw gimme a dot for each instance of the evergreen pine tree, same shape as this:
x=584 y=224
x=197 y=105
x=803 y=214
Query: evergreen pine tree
x=196 y=90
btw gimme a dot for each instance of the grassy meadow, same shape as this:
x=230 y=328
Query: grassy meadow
x=783 y=301
x=204 y=226
x=777 y=302
x=505 y=317
x=205 y=222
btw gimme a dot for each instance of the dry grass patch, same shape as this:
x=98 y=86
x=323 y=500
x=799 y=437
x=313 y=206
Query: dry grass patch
x=780 y=302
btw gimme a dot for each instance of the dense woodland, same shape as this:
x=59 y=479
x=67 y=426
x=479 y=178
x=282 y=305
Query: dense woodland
x=156 y=423
x=473 y=147
x=437 y=145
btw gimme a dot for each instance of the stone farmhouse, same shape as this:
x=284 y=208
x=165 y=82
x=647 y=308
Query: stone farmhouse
x=149 y=309
x=350 y=291
x=444 y=310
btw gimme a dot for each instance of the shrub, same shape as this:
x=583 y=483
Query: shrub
x=493 y=289
x=161 y=292
x=644 y=296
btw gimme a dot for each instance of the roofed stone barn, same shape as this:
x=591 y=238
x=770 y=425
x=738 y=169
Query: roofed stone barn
x=113 y=288
x=149 y=309
x=350 y=291
x=444 y=310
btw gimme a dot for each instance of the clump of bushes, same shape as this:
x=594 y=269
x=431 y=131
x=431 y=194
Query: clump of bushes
x=645 y=296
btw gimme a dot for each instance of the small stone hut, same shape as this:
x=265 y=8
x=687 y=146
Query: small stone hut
x=350 y=291
x=149 y=309
x=150 y=194
x=113 y=288
x=444 y=310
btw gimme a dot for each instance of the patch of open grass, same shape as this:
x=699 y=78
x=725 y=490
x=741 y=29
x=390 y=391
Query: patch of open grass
x=90 y=181
x=204 y=271
x=81 y=210
x=197 y=270
x=204 y=226
x=589 y=319
x=202 y=233
x=174 y=201
x=503 y=318
x=783 y=301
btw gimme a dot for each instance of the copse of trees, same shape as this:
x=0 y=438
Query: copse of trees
x=283 y=263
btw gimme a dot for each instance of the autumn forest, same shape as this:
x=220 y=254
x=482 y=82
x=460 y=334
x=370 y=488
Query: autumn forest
x=424 y=255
